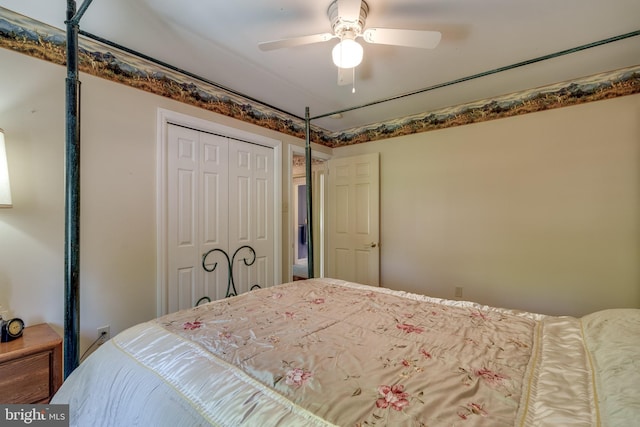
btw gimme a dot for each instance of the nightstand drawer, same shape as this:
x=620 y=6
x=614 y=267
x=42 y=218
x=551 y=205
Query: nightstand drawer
x=26 y=379
x=31 y=366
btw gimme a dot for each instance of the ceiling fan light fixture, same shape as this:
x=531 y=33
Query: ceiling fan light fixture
x=347 y=54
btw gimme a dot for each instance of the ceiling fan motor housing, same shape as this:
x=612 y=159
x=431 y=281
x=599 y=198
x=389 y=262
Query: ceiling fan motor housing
x=343 y=27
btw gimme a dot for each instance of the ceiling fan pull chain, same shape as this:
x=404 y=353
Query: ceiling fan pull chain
x=353 y=88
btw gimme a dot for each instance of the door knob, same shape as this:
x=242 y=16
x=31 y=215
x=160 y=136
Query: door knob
x=371 y=245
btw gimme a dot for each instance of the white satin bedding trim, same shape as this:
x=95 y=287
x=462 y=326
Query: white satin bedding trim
x=561 y=383
x=220 y=392
x=160 y=379
x=113 y=390
x=613 y=340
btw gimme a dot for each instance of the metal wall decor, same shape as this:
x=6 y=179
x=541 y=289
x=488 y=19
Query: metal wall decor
x=231 y=286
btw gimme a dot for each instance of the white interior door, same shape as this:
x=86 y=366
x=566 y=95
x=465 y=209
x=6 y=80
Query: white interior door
x=251 y=207
x=220 y=194
x=354 y=219
x=198 y=177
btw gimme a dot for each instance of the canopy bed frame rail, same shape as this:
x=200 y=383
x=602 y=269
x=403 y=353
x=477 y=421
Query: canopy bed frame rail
x=309 y=201
x=72 y=193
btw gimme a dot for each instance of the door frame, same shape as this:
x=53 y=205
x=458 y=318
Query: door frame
x=164 y=118
x=294 y=149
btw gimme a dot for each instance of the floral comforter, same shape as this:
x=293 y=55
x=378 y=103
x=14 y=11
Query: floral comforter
x=326 y=352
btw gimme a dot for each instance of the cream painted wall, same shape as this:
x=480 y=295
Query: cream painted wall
x=118 y=204
x=538 y=212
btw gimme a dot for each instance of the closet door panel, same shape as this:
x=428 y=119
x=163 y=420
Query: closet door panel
x=252 y=200
x=264 y=202
x=182 y=160
x=241 y=209
x=263 y=197
x=213 y=212
x=219 y=196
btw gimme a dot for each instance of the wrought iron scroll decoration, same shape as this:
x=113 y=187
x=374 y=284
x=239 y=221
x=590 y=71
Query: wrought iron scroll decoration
x=231 y=286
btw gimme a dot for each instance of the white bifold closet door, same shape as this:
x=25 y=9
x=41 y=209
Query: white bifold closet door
x=220 y=195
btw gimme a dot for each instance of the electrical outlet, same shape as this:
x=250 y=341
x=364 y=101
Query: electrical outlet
x=458 y=293
x=104 y=333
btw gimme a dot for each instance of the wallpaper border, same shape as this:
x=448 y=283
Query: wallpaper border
x=25 y=35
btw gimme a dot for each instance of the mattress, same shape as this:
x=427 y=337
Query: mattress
x=324 y=352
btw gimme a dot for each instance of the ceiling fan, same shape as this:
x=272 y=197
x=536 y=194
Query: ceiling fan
x=347 y=18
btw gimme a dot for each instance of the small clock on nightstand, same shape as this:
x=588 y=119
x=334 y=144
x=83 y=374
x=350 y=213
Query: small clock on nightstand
x=11 y=329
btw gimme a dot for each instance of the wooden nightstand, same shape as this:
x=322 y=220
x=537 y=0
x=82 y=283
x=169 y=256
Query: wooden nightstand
x=31 y=366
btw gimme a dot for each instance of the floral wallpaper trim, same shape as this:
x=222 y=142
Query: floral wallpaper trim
x=25 y=35
x=594 y=88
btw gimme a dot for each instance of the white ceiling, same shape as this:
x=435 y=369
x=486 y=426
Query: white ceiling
x=218 y=40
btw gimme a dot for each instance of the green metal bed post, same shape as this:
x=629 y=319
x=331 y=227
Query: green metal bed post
x=72 y=194
x=309 y=179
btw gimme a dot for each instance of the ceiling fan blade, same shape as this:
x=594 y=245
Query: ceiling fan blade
x=295 y=41
x=349 y=10
x=409 y=38
x=345 y=76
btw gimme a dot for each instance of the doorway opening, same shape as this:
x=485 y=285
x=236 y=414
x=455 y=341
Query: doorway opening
x=301 y=245
x=298 y=214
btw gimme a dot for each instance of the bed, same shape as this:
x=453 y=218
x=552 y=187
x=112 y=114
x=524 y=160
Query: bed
x=323 y=352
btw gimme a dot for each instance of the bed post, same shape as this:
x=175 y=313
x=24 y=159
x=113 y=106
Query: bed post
x=309 y=179
x=72 y=194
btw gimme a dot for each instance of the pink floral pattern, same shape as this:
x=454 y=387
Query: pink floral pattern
x=308 y=337
x=425 y=353
x=479 y=315
x=470 y=409
x=192 y=325
x=410 y=328
x=491 y=377
x=392 y=397
x=297 y=377
x=225 y=335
